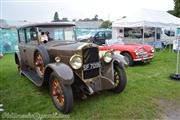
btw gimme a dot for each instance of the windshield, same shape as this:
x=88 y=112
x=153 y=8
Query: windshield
x=57 y=33
x=92 y=33
x=114 y=41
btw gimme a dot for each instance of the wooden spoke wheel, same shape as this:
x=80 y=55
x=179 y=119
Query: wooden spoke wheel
x=57 y=92
x=119 y=79
x=61 y=94
x=39 y=64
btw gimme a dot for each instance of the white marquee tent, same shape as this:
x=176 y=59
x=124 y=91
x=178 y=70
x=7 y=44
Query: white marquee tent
x=146 y=18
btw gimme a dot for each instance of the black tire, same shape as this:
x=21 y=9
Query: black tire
x=121 y=83
x=66 y=93
x=18 y=64
x=128 y=59
x=45 y=59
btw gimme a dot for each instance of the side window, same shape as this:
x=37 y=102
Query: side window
x=169 y=33
x=21 y=36
x=108 y=35
x=31 y=35
x=100 y=38
x=100 y=35
x=58 y=34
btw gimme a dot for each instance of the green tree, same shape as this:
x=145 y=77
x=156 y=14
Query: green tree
x=56 y=17
x=106 y=24
x=74 y=20
x=176 y=11
x=177 y=8
x=95 y=18
x=64 y=19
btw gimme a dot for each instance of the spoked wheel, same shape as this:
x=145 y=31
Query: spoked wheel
x=119 y=79
x=57 y=92
x=62 y=95
x=39 y=64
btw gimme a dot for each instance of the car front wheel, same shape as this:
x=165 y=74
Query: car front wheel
x=128 y=59
x=61 y=95
x=119 y=79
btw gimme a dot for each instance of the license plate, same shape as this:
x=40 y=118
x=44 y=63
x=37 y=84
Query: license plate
x=90 y=66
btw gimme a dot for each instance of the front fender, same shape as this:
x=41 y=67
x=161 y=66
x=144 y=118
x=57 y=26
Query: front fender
x=17 y=58
x=63 y=71
x=120 y=59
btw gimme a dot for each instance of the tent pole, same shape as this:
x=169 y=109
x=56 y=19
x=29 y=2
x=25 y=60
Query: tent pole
x=155 y=34
x=176 y=76
x=143 y=34
x=177 y=65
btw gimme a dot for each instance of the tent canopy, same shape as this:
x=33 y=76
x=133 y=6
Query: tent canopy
x=147 y=18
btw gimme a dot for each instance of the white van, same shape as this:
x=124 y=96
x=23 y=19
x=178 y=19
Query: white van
x=168 y=36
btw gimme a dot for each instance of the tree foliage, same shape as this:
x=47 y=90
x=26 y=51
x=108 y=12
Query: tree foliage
x=95 y=18
x=176 y=11
x=56 y=17
x=177 y=8
x=106 y=24
x=64 y=19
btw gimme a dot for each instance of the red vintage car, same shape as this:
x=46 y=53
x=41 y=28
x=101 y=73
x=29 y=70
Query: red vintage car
x=131 y=52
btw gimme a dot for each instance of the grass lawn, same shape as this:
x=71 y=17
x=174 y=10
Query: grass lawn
x=149 y=94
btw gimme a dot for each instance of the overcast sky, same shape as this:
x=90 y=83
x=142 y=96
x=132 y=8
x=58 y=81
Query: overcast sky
x=43 y=10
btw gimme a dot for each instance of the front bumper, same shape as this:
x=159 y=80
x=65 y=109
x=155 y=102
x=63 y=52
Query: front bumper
x=143 y=58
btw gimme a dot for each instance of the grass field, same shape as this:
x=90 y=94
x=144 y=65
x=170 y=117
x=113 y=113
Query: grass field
x=149 y=94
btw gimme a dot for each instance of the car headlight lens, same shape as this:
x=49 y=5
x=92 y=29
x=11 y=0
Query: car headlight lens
x=108 y=56
x=152 y=49
x=76 y=61
x=137 y=52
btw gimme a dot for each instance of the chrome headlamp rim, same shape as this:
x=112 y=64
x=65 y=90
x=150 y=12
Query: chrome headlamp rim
x=76 y=61
x=108 y=56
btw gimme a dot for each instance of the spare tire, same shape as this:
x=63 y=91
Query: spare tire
x=41 y=59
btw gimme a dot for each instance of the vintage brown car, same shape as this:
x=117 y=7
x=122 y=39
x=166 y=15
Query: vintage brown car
x=49 y=53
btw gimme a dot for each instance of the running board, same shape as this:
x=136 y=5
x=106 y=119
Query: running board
x=33 y=77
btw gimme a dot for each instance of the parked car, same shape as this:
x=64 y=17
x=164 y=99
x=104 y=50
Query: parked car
x=97 y=36
x=131 y=52
x=49 y=53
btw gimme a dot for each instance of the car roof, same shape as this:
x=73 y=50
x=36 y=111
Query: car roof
x=103 y=30
x=62 y=24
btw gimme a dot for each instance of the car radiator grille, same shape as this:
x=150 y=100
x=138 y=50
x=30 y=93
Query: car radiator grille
x=91 y=64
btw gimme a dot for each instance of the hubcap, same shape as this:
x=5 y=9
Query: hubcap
x=39 y=64
x=57 y=92
x=116 y=78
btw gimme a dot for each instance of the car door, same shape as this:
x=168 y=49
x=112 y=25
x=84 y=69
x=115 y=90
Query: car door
x=108 y=35
x=99 y=38
x=21 y=38
x=31 y=35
